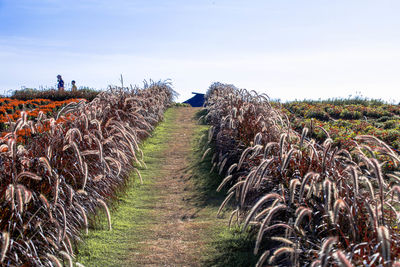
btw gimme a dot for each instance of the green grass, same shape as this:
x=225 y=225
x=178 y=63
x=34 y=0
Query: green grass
x=130 y=213
x=225 y=247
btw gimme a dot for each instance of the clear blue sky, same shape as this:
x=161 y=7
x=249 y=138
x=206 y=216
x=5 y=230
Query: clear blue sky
x=286 y=48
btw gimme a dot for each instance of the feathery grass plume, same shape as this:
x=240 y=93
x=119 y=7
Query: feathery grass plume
x=54 y=260
x=67 y=257
x=221 y=168
x=86 y=174
x=213 y=167
x=325 y=250
x=226 y=200
x=259 y=203
x=210 y=134
x=268 y=148
x=46 y=163
x=305 y=180
x=292 y=189
x=327 y=187
x=29 y=175
x=262 y=258
x=245 y=188
x=4 y=246
x=281 y=145
x=282 y=240
x=107 y=212
x=378 y=173
x=56 y=189
x=303 y=136
x=370 y=187
x=85 y=220
x=138 y=173
x=339 y=204
x=64 y=229
x=286 y=159
x=280 y=251
x=384 y=240
x=231 y=168
x=315 y=263
x=233 y=213
x=243 y=156
x=301 y=212
x=226 y=179
x=70 y=249
x=341 y=259
x=257 y=139
x=9 y=195
x=354 y=175
x=20 y=201
x=265 y=223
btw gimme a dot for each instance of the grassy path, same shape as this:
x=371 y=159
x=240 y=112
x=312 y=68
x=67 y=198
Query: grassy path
x=170 y=220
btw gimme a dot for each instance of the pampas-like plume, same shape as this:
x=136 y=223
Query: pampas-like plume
x=85 y=221
x=378 y=173
x=301 y=212
x=9 y=195
x=279 y=252
x=29 y=175
x=341 y=259
x=266 y=222
x=226 y=179
x=354 y=175
x=258 y=205
x=54 y=260
x=107 y=212
x=303 y=135
x=282 y=240
x=226 y=200
x=138 y=173
x=262 y=259
x=4 y=246
x=384 y=239
x=303 y=184
x=292 y=188
x=64 y=230
x=243 y=156
x=231 y=168
x=325 y=250
x=46 y=163
x=67 y=257
x=221 y=168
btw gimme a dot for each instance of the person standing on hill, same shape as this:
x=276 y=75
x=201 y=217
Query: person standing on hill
x=60 y=84
x=73 y=88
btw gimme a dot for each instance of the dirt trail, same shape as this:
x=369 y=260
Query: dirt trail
x=170 y=220
x=174 y=238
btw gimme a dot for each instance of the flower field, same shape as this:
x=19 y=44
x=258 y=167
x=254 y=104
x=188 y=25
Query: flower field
x=10 y=109
x=72 y=164
x=311 y=181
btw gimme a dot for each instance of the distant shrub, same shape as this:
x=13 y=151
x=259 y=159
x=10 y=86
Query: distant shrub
x=54 y=95
x=390 y=124
x=350 y=115
x=317 y=114
x=181 y=105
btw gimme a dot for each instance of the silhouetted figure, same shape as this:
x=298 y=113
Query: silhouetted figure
x=60 y=84
x=73 y=88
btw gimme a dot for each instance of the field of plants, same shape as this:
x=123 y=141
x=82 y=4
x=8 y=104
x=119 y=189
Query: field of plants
x=73 y=161
x=313 y=181
x=316 y=183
